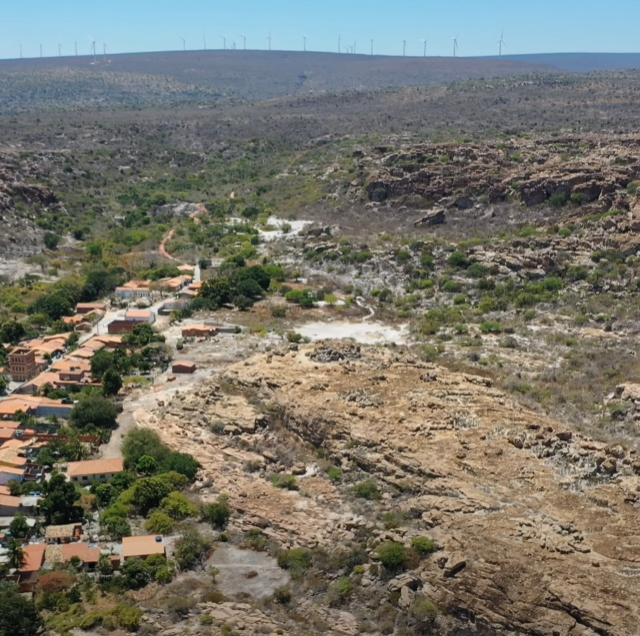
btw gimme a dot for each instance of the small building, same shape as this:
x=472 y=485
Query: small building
x=134 y=289
x=188 y=295
x=30 y=571
x=11 y=473
x=183 y=366
x=74 y=321
x=94 y=470
x=22 y=364
x=172 y=305
x=199 y=331
x=10 y=506
x=186 y=269
x=140 y=315
x=35 y=386
x=63 y=534
x=142 y=547
x=31 y=405
x=121 y=326
x=89 y=555
x=89 y=308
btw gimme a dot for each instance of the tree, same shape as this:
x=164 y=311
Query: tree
x=177 y=506
x=101 y=362
x=149 y=492
x=192 y=547
x=18 y=616
x=147 y=465
x=19 y=528
x=59 y=504
x=15 y=489
x=218 y=513
x=12 y=332
x=137 y=574
x=159 y=523
x=105 y=494
x=16 y=554
x=391 y=554
x=51 y=241
x=182 y=463
x=140 y=442
x=94 y=410
x=111 y=383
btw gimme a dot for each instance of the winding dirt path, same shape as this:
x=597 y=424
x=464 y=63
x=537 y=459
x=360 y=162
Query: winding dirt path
x=163 y=246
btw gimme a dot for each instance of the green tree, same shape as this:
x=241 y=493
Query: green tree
x=111 y=383
x=192 y=547
x=140 y=442
x=94 y=410
x=159 y=523
x=105 y=494
x=177 y=506
x=391 y=554
x=149 y=492
x=137 y=574
x=101 y=362
x=15 y=553
x=18 y=616
x=19 y=528
x=51 y=241
x=12 y=332
x=182 y=463
x=59 y=503
x=218 y=513
x=146 y=465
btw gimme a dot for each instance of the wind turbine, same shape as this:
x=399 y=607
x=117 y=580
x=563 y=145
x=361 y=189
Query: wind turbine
x=41 y=50
x=104 y=52
x=455 y=46
x=354 y=47
x=244 y=42
x=93 y=48
x=184 y=44
x=204 y=42
x=501 y=43
x=304 y=43
x=76 y=44
x=269 y=38
x=371 y=47
x=224 y=42
x=59 y=49
x=339 y=44
x=404 y=48
x=425 y=47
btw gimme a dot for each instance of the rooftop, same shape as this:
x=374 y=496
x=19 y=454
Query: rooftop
x=34 y=557
x=61 y=532
x=64 y=553
x=138 y=313
x=142 y=546
x=95 y=467
x=8 y=501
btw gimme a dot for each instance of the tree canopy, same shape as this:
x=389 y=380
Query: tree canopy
x=94 y=410
x=18 y=616
x=59 y=504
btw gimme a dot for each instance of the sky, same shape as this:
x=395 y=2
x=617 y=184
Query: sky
x=541 y=26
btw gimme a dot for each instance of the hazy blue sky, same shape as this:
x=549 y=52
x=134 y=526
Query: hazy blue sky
x=156 y=25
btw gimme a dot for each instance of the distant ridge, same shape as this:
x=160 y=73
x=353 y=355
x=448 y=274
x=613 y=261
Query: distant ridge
x=579 y=62
x=260 y=75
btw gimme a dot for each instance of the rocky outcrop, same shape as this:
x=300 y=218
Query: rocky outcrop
x=537 y=524
x=529 y=171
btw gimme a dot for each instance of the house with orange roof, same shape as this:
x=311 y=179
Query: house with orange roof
x=36 y=406
x=94 y=470
x=59 y=554
x=30 y=572
x=89 y=308
x=134 y=289
x=140 y=315
x=11 y=473
x=142 y=547
x=74 y=321
x=199 y=331
x=35 y=386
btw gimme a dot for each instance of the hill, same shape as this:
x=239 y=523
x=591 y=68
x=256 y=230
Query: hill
x=250 y=75
x=580 y=62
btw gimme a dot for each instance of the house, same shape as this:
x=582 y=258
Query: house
x=37 y=406
x=11 y=473
x=174 y=285
x=199 y=331
x=94 y=470
x=63 y=534
x=109 y=342
x=188 y=294
x=172 y=305
x=22 y=364
x=184 y=366
x=186 y=269
x=10 y=506
x=142 y=547
x=84 y=353
x=30 y=571
x=35 y=386
x=121 y=326
x=89 y=555
x=74 y=321
x=89 y=308
x=134 y=289
x=140 y=315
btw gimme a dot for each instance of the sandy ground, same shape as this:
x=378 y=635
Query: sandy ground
x=363 y=332
x=247 y=572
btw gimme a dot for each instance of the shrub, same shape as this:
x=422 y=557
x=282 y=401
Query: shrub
x=297 y=561
x=282 y=595
x=335 y=474
x=218 y=513
x=180 y=606
x=177 y=506
x=278 y=311
x=491 y=327
x=424 y=545
x=287 y=482
x=367 y=490
x=339 y=590
x=424 y=611
x=294 y=337
x=452 y=287
x=391 y=554
x=458 y=260
x=558 y=200
x=128 y=617
x=159 y=523
x=191 y=549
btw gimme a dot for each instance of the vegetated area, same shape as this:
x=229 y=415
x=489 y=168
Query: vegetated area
x=129 y=80
x=491 y=224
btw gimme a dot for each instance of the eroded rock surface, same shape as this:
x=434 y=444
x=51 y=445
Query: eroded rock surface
x=537 y=524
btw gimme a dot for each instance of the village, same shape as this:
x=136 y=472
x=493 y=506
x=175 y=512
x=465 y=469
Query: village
x=34 y=419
